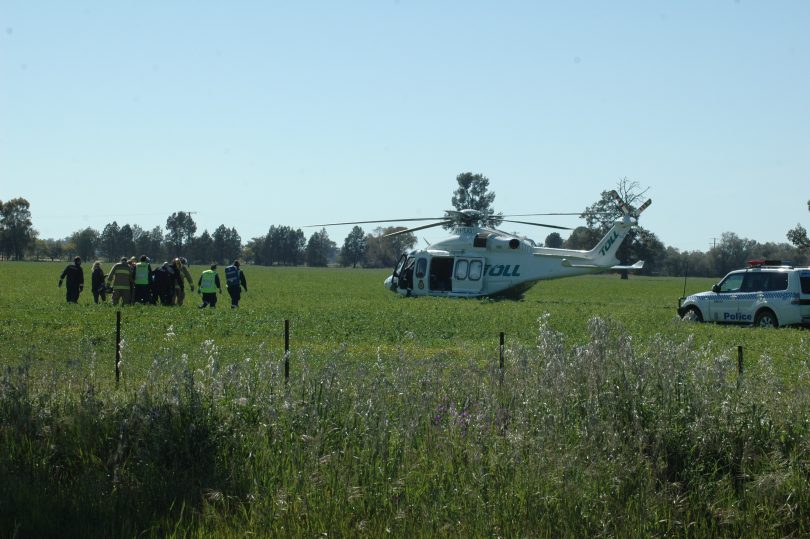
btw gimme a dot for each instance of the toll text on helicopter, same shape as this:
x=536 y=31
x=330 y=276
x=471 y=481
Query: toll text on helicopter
x=608 y=243
x=500 y=270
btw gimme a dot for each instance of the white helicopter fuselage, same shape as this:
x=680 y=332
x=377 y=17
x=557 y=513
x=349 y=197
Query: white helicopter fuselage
x=479 y=261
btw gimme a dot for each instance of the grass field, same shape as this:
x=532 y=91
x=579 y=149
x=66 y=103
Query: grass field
x=611 y=416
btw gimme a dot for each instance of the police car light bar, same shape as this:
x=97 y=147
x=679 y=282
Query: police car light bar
x=762 y=263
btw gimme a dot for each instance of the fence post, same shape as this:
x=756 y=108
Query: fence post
x=739 y=360
x=286 y=350
x=500 y=363
x=117 y=347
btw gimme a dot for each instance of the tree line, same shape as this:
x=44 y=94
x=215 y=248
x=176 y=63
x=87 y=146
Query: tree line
x=284 y=245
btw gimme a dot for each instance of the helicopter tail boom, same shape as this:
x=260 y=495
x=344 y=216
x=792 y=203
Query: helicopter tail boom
x=604 y=254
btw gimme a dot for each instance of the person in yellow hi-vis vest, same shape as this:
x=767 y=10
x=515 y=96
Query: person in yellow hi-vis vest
x=208 y=286
x=122 y=277
x=143 y=280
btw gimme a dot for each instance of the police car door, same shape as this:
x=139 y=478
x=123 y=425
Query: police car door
x=468 y=274
x=723 y=307
x=804 y=298
x=752 y=295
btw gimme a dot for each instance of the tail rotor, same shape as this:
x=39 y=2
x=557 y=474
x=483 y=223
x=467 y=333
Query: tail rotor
x=626 y=208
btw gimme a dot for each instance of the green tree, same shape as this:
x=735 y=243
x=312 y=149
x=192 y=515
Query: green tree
x=227 y=244
x=253 y=251
x=86 y=242
x=294 y=247
x=53 y=248
x=730 y=253
x=687 y=263
x=780 y=251
x=354 y=248
x=260 y=249
x=39 y=249
x=148 y=242
x=650 y=249
x=798 y=235
x=180 y=231
x=582 y=238
x=473 y=193
x=233 y=245
x=382 y=251
x=319 y=249
x=553 y=240
x=16 y=228
x=248 y=254
x=109 y=241
x=202 y=248
x=68 y=247
x=281 y=245
x=126 y=241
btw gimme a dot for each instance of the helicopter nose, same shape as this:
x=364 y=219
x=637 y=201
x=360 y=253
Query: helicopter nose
x=388 y=282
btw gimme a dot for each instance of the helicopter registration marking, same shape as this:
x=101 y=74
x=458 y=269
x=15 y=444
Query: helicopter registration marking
x=608 y=243
x=500 y=270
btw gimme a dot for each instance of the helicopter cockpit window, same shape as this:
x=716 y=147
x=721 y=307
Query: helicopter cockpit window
x=474 y=272
x=400 y=265
x=421 y=268
x=462 y=267
x=405 y=280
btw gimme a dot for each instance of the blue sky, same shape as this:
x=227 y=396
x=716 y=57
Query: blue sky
x=257 y=113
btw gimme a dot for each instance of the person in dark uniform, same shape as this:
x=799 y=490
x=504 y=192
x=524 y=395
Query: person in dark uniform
x=75 y=280
x=164 y=283
x=235 y=281
x=97 y=282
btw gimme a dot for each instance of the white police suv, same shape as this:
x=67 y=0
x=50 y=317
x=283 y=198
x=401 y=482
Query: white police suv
x=767 y=293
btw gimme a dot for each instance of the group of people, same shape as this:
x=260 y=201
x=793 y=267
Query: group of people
x=134 y=281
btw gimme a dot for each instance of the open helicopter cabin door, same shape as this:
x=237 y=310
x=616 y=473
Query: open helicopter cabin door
x=440 y=275
x=468 y=274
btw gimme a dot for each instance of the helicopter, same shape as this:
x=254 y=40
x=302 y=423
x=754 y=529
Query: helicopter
x=479 y=260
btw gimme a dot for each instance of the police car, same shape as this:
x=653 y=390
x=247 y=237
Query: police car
x=768 y=293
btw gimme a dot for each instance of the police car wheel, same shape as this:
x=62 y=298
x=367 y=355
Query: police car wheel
x=692 y=315
x=766 y=319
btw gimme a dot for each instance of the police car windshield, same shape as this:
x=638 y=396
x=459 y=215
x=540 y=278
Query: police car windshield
x=732 y=283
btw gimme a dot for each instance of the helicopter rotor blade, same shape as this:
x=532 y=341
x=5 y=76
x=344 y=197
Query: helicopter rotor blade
x=537 y=224
x=377 y=221
x=643 y=207
x=581 y=214
x=621 y=203
x=539 y=214
x=407 y=230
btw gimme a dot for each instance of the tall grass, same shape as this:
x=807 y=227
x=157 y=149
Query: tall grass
x=610 y=437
